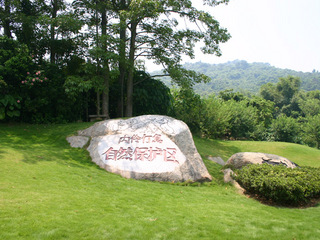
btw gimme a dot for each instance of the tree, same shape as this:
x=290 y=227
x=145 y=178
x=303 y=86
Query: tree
x=150 y=29
x=309 y=103
x=228 y=94
x=264 y=110
x=120 y=34
x=188 y=107
x=231 y=118
x=311 y=130
x=15 y=62
x=101 y=35
x=284 y=94
x=288 y=87
x=151 y=96
x=285 y=129
x=269 y=92
x=27 y=14
x=6 y=14
x=154 y=32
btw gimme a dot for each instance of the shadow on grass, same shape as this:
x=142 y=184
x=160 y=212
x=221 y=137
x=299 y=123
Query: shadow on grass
x=215 y=148
x=39 y=143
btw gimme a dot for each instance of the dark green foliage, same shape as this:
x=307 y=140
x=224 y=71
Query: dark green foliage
x=188 y=107
x=233 y=115
x=9 y=107
x=229 y=94
x=15 y=62
x=47 y=101
x=311 y=130
x=31 y=92
x=285 y=95
x=285 y=129
x=264 y=110
x=150 y=96
x=309 y=102
x=216 y=122
x=279 y=184
x=229 y=119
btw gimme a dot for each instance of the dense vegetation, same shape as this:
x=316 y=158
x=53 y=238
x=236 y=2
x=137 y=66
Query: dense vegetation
x=61 y=61
x=65 y=92
x=281 y=112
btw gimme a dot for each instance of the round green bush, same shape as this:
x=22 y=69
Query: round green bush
x=280 y=184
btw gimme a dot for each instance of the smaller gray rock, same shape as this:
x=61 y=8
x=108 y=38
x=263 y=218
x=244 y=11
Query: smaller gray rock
x=217 y=160
x=228 y=179
x=227 y=175
x=241 y=159
x=78 y=141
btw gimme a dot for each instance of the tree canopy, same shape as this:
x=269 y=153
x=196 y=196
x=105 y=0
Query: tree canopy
x=87 y=47
x=154 y=29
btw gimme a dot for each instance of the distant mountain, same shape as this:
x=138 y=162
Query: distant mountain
x=246 y=77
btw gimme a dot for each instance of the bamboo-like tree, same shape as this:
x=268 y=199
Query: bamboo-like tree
x=6 y=14
x=164 y=31
x=158 y=30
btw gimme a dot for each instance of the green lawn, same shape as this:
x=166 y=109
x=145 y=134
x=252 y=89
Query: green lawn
x=49 y=190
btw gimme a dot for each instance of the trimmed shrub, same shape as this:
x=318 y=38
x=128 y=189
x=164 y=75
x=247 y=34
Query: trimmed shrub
x=280 y=184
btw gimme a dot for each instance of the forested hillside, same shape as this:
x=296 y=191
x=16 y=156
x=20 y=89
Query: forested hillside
x=248 y=77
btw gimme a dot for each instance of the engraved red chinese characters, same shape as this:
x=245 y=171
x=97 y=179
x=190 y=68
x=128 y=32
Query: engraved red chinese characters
x=141 y=154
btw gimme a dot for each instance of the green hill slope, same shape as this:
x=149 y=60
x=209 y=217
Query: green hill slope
x=248 y=77
x=49 y=190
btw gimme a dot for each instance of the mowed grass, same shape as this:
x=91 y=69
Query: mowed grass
x=300 y=154
x=49 y=190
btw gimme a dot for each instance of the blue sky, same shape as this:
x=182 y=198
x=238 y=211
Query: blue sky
x=284 y=33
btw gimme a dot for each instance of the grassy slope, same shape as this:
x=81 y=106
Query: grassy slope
x=302 y=155
x=51 y=191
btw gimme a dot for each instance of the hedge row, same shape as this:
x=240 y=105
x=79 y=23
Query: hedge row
x=280 y=184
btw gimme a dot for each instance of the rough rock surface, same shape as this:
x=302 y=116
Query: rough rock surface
x=149 y=147
x=227 y=175
x=218 y=160
x=228 y=179
x=241 y=159
x=78 y=141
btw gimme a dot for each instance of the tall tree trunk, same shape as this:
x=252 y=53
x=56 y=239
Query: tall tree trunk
x=98 y=72
x=27 y=27
x=129 y=105
x=6 y=25
x=54 y=5
x=105 y=93
x=106 y=70
x=98 y=103
x=122 y=65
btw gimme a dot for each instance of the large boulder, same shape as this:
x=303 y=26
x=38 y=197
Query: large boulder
x=241 y=159
x=149 y=147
